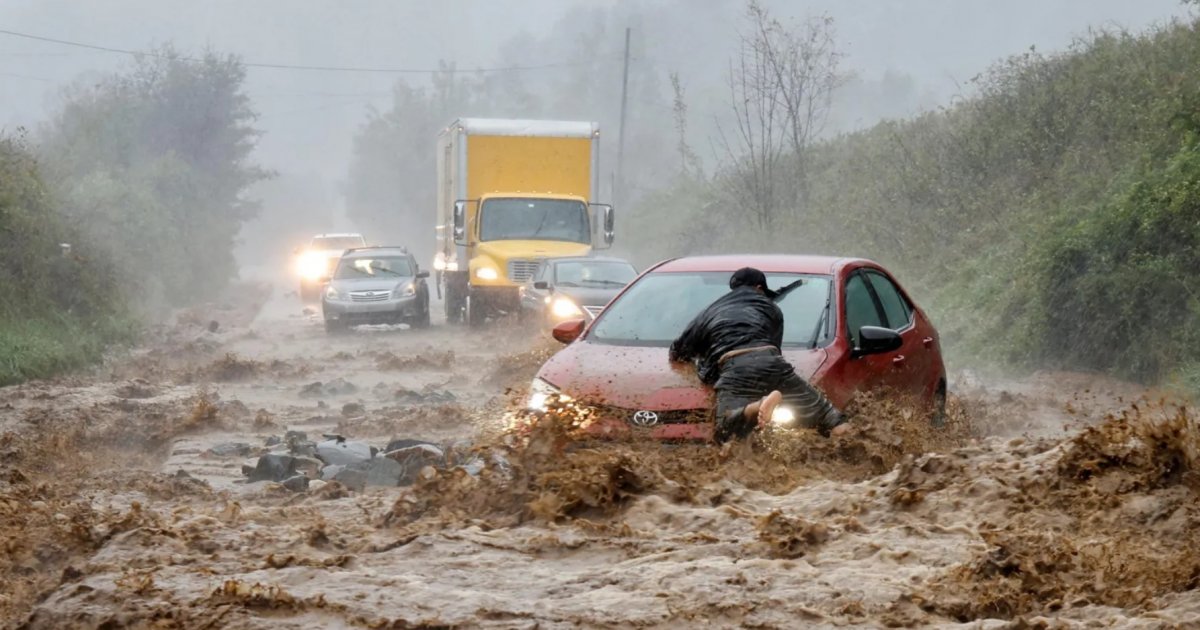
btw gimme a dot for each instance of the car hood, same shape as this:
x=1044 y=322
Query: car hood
x=588 y=296
x=638 y=377
x=370 y=284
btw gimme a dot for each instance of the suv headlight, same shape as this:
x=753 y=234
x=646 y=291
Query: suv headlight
x=565 y=307
x=332 y=294
x=407 y=290
x=540 y=391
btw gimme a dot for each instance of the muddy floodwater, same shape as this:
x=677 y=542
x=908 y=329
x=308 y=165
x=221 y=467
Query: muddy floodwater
x=1051 y=500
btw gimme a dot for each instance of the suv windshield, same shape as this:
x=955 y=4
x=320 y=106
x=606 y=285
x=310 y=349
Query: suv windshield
x=593 y=274
x=382 y=267
x=658 y=307
x=337 y=242
x=534 y=219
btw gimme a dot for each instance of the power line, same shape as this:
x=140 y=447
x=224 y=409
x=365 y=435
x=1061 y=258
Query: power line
x=283 y=66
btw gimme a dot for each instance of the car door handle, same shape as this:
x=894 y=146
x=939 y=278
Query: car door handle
x=899 y=361
x=928 y=341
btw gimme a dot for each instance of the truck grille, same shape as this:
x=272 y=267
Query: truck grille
x=369 y=296
x=521 y=270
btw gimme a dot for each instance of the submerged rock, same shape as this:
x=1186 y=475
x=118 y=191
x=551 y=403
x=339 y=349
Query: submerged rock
x=343 y=452
x=231 y=449
x=296 y=483
x=273 y=467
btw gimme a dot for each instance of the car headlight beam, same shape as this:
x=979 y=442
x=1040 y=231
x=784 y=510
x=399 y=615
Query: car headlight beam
x=540 y=392
x=565 y=307
x=312 y=266
x=783 y=417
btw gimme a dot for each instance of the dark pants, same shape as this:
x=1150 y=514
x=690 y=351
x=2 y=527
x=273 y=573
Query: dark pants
x=747 y=378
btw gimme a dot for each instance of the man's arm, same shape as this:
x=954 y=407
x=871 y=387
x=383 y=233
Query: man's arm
x=776 y=326
x=688 y=345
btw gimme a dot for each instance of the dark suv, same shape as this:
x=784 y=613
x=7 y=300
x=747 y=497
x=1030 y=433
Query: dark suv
x=376 y=285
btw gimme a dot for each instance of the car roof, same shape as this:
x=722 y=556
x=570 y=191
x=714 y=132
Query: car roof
x=375 y=251
x=767 y=263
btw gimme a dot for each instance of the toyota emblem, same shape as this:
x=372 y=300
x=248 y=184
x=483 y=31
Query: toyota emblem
x=645 y=418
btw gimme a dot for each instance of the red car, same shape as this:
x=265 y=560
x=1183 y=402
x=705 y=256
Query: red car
x=849 y=327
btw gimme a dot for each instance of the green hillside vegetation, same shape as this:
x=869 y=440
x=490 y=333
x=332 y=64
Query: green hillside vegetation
x=1050 y=219
x=144 y=174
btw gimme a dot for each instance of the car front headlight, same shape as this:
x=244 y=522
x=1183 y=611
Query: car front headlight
x=564 y=307
x=312 y=266
x=540 y=391
x=783 y=417
x=407 y=290
x=487 y=273
x=332 y=294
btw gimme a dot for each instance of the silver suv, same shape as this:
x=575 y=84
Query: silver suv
x=376 y=285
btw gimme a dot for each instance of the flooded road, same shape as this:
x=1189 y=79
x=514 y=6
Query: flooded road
x=1049 y=502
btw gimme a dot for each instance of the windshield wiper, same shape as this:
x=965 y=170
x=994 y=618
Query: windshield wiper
x=607 y=283
x=816 y=336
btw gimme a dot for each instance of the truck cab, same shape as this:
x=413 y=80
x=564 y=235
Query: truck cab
x=512 y=194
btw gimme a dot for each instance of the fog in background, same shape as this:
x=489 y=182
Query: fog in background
x=901 y=57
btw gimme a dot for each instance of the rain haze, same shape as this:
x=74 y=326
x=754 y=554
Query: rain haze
x=599 y=313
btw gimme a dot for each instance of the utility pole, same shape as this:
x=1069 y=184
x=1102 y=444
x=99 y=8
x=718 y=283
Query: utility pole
x=618 y=187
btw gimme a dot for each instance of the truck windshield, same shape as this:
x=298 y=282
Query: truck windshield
x=534 y=219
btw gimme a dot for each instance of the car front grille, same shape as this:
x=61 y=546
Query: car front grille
x=369 y=296
x=686 y=416
x=521 y=270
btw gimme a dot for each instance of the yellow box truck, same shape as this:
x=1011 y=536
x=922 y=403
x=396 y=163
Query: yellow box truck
x=511 y=193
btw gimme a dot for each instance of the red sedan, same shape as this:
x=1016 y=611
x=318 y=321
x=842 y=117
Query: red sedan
x=849 y=327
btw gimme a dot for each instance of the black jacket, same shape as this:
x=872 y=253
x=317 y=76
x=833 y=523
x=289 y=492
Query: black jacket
x=742 y=318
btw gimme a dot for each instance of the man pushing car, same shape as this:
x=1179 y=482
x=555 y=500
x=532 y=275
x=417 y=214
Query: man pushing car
x=735 y=344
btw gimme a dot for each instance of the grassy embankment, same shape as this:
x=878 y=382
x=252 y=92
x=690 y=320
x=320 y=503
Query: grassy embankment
x=1050 y=219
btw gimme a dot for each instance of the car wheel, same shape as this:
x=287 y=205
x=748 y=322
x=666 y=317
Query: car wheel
x=937 y=416
x=422 y=320
x=454 y=306
x=475 y=312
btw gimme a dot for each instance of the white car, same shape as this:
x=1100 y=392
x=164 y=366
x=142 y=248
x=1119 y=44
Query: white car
x=315 y=263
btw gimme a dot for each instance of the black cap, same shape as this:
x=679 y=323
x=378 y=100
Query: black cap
x=750 y=277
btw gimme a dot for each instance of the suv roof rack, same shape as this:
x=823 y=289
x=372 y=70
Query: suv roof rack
x=359 y=249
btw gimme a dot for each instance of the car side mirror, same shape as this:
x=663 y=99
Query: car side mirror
x=877 y=340
x=460 y=222
x=422 y=274
x=568 y=331
x=605 y=218
x=608 y=225
x=541 y=285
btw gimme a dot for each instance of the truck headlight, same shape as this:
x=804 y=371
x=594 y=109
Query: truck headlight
x=565 y=307
x=439 y=263
x=540 y=391
x=487 y=273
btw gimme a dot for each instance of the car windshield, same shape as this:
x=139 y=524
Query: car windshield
x=656 y=308
x=596 y=274
x=534 y=219
x=382 y=267
x=337 y=242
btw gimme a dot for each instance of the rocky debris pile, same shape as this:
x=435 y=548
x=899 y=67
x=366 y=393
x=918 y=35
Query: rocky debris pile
x=337 y=387
x=296 y=462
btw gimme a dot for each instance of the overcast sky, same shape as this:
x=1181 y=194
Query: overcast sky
x=309 y=117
